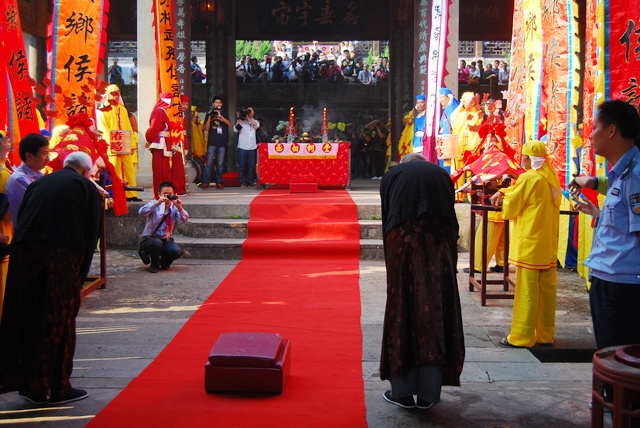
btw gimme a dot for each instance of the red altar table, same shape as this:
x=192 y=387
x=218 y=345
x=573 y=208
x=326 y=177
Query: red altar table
x=328 y=164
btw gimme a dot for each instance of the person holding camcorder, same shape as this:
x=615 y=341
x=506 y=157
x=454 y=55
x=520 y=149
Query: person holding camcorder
x=157 y=247
x=246 y=127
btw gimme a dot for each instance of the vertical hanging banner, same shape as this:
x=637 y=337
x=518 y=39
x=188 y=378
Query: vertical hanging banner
x=167 y=69
x=517 y=96
x=421 y=45
x=75 y=46
x=436 y=72
x=623 y=50
x=556 y=81
x=14 y=66
x=182 y=41
x=533 y=49
x=592 y=78
x=576 y=90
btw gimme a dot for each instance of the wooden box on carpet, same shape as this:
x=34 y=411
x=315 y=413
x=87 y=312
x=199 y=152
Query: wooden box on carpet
x=230 y=179
x=248 y=362
x=303 y=184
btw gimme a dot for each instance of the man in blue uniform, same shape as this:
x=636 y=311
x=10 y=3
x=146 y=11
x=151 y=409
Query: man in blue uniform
x=614 y=261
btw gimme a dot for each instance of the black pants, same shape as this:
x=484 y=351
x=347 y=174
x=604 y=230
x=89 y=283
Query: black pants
x=615 y=313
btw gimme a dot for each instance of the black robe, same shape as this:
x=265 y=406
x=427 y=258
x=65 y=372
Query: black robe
x=51 y=253
x=423 y=320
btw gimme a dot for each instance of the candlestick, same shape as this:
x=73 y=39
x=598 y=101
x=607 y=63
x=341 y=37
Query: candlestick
x=291 y=122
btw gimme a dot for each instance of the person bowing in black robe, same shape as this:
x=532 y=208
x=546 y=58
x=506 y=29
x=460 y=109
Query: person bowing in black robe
x=423 y=340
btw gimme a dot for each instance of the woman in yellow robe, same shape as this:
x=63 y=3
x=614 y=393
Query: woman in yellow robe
x=465 y=122
x=114 y=116
x=405 y=144
x=534 y=205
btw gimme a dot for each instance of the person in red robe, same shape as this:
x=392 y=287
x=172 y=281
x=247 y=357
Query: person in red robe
x=159 y=140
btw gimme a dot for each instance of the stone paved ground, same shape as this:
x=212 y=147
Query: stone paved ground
x=123 y=327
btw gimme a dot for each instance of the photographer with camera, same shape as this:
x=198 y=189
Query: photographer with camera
x=216 y=129
x=246 y=127
x=157 y=246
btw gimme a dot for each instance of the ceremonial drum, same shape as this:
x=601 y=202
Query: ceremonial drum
x=447 y=146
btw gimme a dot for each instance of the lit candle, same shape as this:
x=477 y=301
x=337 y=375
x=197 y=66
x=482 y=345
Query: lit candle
x=291 y=122
x=324 y=120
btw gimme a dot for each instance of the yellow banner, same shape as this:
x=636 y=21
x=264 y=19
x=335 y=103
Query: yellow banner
x=75 y=56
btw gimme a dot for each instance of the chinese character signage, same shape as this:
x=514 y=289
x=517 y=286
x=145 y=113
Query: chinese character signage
x=486 y=20
x=624 y=51
x=76 y=49
x=303 y=151
x=16 y=92
x=167 y=67
x=310 y=19
x=182 y=42
x=436 y=68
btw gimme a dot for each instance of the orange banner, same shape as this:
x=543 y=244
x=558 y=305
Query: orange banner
x=517 y=96
x=555 y=76
x=16 y=69
x=75 y=47
x=167 y=72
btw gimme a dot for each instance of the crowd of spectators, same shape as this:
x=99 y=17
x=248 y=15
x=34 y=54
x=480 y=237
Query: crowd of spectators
x=476 y=72
x=313 y=64
x=369 y=149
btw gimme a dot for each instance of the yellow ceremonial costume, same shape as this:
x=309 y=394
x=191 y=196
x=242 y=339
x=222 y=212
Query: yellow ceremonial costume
x=465 y=121
x=405 y=144
x=6 y=228
x=533 y=203
x=198 y=143
x=113 y=119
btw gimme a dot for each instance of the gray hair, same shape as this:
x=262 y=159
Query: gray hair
x=78 y=161
x=413 y=157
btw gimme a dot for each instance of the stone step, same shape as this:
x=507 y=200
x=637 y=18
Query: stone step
x=231 y=248
x=237 y=228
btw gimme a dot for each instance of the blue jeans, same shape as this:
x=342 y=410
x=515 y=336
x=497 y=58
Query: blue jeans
x=247 y=162
x=218 y=153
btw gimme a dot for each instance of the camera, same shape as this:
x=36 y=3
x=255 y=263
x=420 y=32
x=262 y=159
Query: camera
x=242 y=114
x=172 y=197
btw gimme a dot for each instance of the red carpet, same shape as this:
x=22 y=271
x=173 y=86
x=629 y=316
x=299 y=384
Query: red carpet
x=298 y=277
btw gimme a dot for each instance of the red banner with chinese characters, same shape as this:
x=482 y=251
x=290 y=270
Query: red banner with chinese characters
x=75 y=47
x=167 y=71
x=15 y=67
x=623 y=42
x=303 y=150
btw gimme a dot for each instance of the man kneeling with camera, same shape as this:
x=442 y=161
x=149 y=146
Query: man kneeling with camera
x=157 y=246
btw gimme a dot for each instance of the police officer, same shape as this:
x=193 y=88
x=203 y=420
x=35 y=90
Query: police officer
x=614 y=261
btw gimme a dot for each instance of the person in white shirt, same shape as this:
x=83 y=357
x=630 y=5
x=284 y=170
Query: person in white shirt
x=365 y=76
x=133 y=72
x=503 y=73
x=246 y=127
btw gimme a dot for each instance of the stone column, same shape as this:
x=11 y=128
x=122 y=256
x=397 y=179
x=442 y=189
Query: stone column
x=147 y=92
x=401 y=78
x=221 y=59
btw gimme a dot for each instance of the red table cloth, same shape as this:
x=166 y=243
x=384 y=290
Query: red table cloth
x=327 y=164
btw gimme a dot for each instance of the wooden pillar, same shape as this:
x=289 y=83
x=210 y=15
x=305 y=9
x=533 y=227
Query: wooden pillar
x=221 y=59
x=401 y=79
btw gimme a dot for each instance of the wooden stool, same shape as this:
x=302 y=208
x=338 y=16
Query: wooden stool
x=248 y=362
x=616 y=369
